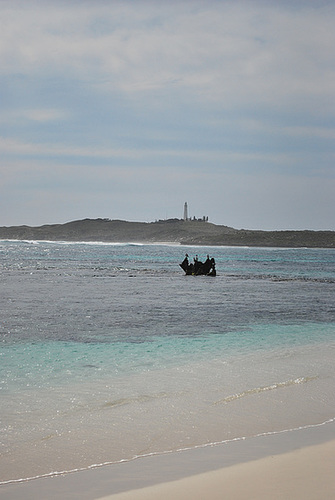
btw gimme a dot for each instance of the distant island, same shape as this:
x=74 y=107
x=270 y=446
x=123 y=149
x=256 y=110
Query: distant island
x=176 y=231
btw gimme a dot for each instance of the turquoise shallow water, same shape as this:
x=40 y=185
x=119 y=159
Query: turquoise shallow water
x=110 y=352
x=47 y=364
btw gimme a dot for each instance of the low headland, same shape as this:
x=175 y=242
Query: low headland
x=174 y=231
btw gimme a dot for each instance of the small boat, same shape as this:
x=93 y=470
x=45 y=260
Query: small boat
x=199 y=268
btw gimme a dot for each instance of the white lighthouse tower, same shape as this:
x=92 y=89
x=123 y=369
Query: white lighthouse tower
x=185 y=211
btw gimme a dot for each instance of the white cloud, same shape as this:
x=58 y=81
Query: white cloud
x=228 y=52
x=11 y=146
x=40 y=115
x=316 y=132
x=17 y=147
x=150 y=100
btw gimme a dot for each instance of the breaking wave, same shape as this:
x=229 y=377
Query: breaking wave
x=257 y=390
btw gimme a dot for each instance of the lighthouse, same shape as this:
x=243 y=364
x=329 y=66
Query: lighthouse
x=185 y=211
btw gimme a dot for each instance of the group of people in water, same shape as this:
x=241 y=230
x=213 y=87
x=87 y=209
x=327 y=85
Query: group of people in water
x=197 y=267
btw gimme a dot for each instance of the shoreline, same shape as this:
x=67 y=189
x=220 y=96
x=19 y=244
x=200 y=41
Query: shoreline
x=162 y=243
x=178 y=473
x=305 y=473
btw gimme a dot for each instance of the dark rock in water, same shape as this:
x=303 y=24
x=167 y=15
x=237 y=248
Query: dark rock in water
x=199 y=268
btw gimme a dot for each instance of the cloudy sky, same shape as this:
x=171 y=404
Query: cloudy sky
x=126 y=109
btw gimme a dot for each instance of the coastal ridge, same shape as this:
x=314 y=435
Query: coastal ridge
x=176 y=231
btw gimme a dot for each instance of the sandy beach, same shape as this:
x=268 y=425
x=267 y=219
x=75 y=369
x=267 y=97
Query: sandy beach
x=289 y=465
x=307 y=473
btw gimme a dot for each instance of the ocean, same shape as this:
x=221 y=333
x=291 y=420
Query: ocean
x=109 y=352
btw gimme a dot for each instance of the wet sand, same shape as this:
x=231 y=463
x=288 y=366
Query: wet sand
x=288 y=465
x=307 y=473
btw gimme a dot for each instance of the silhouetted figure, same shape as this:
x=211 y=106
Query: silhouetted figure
x=207 y=265
x=185 y=264
x=213 y=270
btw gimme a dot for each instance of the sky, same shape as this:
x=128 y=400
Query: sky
x=128 y=109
